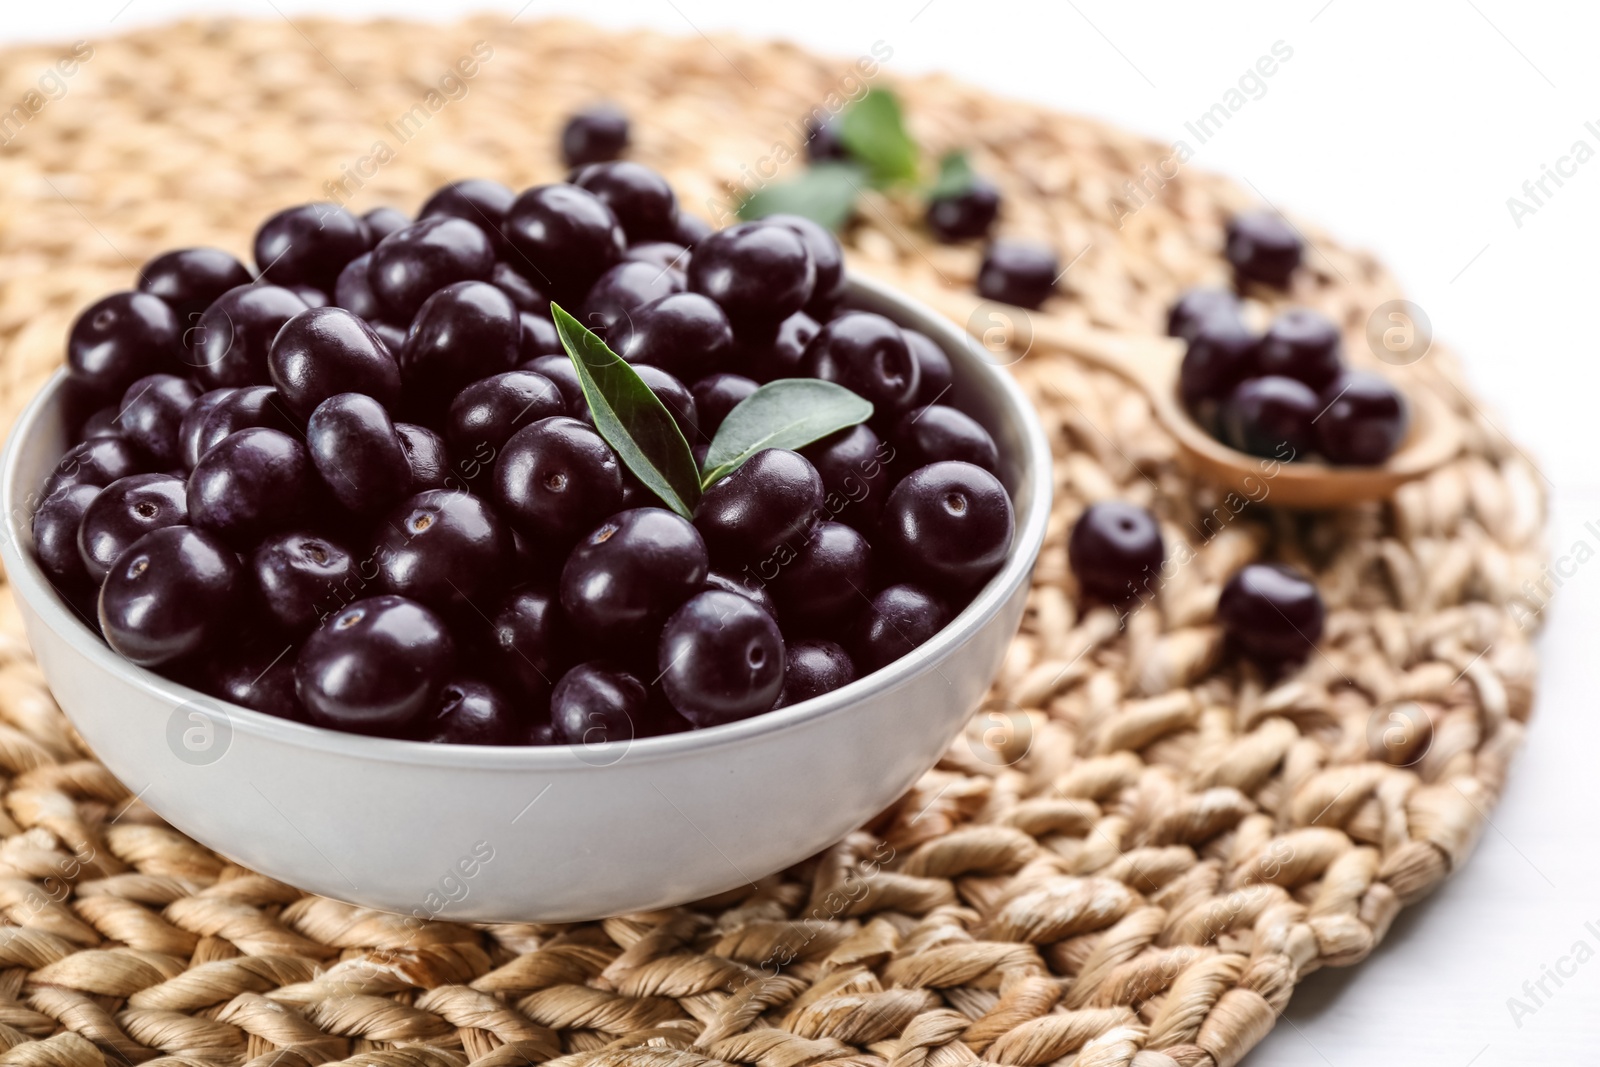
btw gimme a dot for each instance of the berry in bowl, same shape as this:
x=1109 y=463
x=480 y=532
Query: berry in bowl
x=381 y=544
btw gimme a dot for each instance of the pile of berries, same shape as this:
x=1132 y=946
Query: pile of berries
x=361 y=486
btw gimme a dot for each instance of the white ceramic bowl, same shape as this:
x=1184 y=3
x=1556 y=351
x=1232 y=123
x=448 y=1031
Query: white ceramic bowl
x=535 y=834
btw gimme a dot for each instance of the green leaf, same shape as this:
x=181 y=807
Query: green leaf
x=874 y=132
x=956 y=176
x=630 y=417
x=787 y=413
x=825 y=193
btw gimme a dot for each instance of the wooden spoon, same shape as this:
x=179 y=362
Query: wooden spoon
x=1152 y=363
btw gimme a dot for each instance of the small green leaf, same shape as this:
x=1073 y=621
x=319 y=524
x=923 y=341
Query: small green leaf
x=630 y=417
x=787 y=413
x=874 y=132
x=956 y=176
x=825 y=193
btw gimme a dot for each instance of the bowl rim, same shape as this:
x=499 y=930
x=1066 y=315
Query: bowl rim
x=31 y=584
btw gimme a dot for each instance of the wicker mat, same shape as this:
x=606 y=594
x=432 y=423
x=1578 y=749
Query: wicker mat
x=1135 y=855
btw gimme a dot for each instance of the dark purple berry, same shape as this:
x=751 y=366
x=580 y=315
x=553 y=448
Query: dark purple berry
x=412 y=264
x=194 y=420
x=235 y=410
x=854 y=467
x=465 y=331
x=103 y=423
x=630 y=572
x=523 y=293
x=314 y=297
x=383 y=221
x=690 y=230
x=595 y=134
x=426 y=456
x=1115 y=551
x=935 y=375
x=823 y=144
x=556 y=478
x=615 y=298
x=900 y=618
x=1271 y=611
x=445 y=549
x=717 y=394
x=309 y=245
x=55 y=533
x=721 y=659
x=867 y=354
x=770 y=500
x=527 y=648
x=322 y=352
x=249 y=484
x=1221 y=354
x=152 y=410
x=564 y=238
x=640 y=198
x=375 y=667
x=353 y=290
x=812 y=668
x=99 y=461
x=1263 y=247
x=470 y=712
x=666 y=255
x=963 y=215
x=482 y=202
x=191 y=279
x=1195 y=306
x=230 y=346
x=257 y=672
x=536 y=337
x=685 y=334
x=300 y=578
x=675 y=396
x=357 y=453
x=597 y=704
x=940 y=432
x=1018 y=272
x=1364 y=420
x=827 y=258
x=949 y=524
x=393 y=337
x=1271 y=417
x=777 y=353
x=125 y=511
x=760 y=272
x=1301 y=344
x=746 y=584
x=826 y=579
x=559 y=369
x=491 y=409
x=121 y=339
x=171 y=593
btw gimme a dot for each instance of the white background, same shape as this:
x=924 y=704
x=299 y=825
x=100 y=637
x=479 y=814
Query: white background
x=1403 y=128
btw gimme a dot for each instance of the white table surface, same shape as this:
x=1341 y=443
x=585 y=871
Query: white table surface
x=1403 y=128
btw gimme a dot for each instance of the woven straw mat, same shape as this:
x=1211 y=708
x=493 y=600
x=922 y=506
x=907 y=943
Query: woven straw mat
x=1136 y=869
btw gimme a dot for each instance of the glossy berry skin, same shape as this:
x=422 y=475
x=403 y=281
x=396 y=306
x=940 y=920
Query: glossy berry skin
x=615 y=298
x=1195 y=306
x=760 y=272
x=690 y=230
x=482 y=202
x=151 y=413
x=778 y=353
x=770 y=500
x=721 y=659
x=412 y=264
x=470 y=712
x=557 y=478
x=558 y=368
x=595 y=134
x=1272 y=417
x=309 y=245
x=234 y=410
x=490 y=410
x=171 y=593
x=939 y=432
x=314 y=297
x=465 y=331
x=1115 y=551
x=900 y=618
x=256 y=671
x=426 y=456
x=639 y=197
x=194 y=420
x=827 y=259
x=854 y=467
x=685 y=334
x=964 y=215
x=353 y=290
x=537 y=337
x=867 y=354
x=527 y=648
x=357 y=453
x=374 y=667
x=1263 y=247
x=564 y=237
x=1221 y=354
x=717 y=394
x=598 y=703
x=934 y=373
x=812 y=668
x=1365 y=420
x=125 y=511
x=631 y=572
x=323 y=352
x=1022 y=273
x=191 y=279
x=1302 y=344
x=1271 y=611
x=746 y=584
x=230 y=345
x=523 y=293
x=674 y=395
x=55 y=533
x=301 y=577
x=251 y=483
x=950 y=524
x=443 y=548
x=827 y=578
x=383 y=221
x=99 y=461
x=663 y=255
x=103 y=423
x=122 y=338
